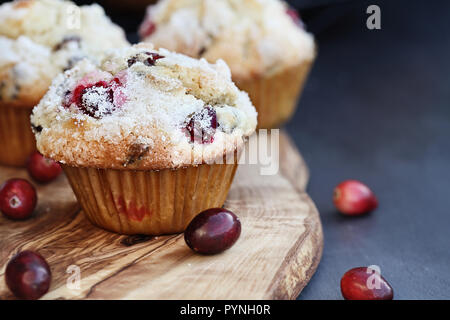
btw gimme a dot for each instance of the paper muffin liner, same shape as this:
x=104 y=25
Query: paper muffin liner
x=16 y=138
x=275 y=97
x=149 y=202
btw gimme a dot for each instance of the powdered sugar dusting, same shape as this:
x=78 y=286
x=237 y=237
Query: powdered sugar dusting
x=158 y=103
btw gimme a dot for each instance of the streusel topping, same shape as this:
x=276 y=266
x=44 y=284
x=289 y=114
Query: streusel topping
x=143 y=109
x=253 y=36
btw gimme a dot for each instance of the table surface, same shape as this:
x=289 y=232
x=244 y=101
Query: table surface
x=377 y=108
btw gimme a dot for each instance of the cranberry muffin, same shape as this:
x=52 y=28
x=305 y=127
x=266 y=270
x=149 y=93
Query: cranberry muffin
x=147 y=138
x=38 y=40
x=263 y=42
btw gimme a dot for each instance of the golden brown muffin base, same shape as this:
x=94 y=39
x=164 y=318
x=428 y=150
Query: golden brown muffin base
x=17 y=140
x=275 y=97
x=149 y=202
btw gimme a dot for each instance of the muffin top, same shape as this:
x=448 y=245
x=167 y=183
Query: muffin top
x=140 y=108
x=41 y=38
x=254 y=37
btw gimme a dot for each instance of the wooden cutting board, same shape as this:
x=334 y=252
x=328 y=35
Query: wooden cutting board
x=275 y=257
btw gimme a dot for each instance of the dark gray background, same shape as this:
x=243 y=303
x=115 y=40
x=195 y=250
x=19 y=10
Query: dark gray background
x=376 y=108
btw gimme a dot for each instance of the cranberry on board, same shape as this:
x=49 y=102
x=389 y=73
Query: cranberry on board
x=213 y=231
x=28 y=275
x=18 y=199
x=352 y=197
x=364 y=283
x=42 y=169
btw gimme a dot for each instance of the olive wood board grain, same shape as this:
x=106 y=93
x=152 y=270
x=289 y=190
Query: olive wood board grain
x=277 y=253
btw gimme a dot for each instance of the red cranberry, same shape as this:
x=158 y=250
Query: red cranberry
x=42 y=169
x=28 y=275
x=295 y=17
x=132 y=61
x=147 y=28
x=352 y=197
x=213 y=231
x=364 y=283
x=95 y=100
x=17 y=199
x=202 y=126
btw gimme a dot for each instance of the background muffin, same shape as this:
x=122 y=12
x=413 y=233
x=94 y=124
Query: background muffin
x=263 y=42
x=139 y=134
x=38 y=40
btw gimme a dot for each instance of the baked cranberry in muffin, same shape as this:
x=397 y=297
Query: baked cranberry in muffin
x=98 y=99
x=202 y=125
x=172 y=107
x=38 y=40
x=264 y=43
x=253 y=37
